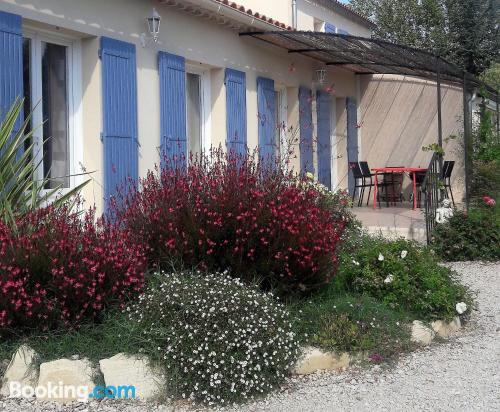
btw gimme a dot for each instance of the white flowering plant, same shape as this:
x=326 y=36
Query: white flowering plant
x=218 y=340
x=403 y=275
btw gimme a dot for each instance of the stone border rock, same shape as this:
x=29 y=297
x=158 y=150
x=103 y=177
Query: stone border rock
x=71 y=380
x=68 y=380
x=122 y=371
x=314 y=359
x=125 y=370
x=424 y=335
x=20 y=369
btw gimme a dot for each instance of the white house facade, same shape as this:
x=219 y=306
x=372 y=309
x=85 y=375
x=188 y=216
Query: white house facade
x=112 y=99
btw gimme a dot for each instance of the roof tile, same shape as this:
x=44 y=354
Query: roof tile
x=256 y=14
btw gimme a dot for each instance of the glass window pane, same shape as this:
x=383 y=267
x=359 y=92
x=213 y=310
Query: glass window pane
x=193 y=102
x=55 y=115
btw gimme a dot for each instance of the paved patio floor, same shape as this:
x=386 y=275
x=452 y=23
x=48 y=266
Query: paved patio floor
x=393 y=221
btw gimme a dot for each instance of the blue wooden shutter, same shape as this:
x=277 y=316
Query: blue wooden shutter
x=323 y=109
x=11 y=63
x=330 y=28
x=172 y=108
x=352 y=137
x=266 y=105
x=236 y=112
x=119 y=106
x=306 y=130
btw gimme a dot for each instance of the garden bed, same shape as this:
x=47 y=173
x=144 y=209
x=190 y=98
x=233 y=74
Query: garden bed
x=211 y=281
x=365 y=315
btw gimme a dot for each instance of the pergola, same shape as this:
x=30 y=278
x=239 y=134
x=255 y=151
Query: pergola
x=363 y=55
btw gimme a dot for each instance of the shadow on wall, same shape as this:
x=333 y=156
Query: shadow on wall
x=399 y=116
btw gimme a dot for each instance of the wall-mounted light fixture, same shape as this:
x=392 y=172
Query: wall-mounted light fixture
x=321 y=75
x=154 y=29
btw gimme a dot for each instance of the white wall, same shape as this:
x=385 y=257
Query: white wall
x=280 y=10
x=308 y=10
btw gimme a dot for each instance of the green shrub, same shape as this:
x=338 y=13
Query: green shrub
x=470 y=236
x=485 y=180
x=353 y=323
x=486 y=145
x=218 y=340
x=402 y=275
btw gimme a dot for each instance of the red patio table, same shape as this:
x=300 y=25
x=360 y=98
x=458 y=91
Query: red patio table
x=411 y=170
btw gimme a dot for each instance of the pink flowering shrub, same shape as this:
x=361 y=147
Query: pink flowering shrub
x=229 y=213
x=58 y=269
x=489 y=201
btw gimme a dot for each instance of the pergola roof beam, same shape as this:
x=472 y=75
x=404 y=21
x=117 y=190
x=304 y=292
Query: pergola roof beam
x=366 y=55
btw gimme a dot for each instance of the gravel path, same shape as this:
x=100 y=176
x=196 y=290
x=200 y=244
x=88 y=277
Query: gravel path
x=462 y=374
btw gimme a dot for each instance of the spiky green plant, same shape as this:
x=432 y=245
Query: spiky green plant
x=20 y=188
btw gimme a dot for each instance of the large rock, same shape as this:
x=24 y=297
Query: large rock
x=65 y=380
x=314 y=359
x=445 y=329
x=421 y=334
x=20 y=374
x=123 y=370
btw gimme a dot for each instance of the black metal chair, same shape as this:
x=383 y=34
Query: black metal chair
x=419 y=180
x=392 y=185
x=446 y=178
x=368 y=179
x=359 y=182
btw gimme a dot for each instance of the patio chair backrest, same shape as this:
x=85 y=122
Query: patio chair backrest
x=420 y=177
x=356 y=170
x=448 y=168
x=365 y=169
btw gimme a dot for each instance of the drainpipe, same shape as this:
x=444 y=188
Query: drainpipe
x=294 y=14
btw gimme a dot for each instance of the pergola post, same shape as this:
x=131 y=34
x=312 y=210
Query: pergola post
x=439 y=113
x=467 y=142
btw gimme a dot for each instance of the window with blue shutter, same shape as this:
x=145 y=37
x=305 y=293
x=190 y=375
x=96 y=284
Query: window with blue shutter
x=330 y=28
x=236 y=112
x=119 y=105
x=323 y=110
x=266 y=105
x=306 y=130
x=352 y=137
x=172 y=108
x=11 y=63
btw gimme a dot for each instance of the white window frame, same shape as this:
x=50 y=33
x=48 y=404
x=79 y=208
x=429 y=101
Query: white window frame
x=74 y=96
x=205 y=101
x=319 y=25
x=283 y=117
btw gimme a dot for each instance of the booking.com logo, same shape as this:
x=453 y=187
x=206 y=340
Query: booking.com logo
x=80 y=393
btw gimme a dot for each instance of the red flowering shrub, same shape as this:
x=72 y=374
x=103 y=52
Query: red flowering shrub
x=58 y=269
x=229 y=214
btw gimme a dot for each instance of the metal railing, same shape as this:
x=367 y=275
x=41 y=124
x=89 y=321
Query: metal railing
x=432 y=190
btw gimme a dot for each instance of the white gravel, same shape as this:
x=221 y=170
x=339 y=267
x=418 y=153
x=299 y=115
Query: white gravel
x=462 y=374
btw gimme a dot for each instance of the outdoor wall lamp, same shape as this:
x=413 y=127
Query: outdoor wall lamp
x=321 y=76
x=153 y=27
